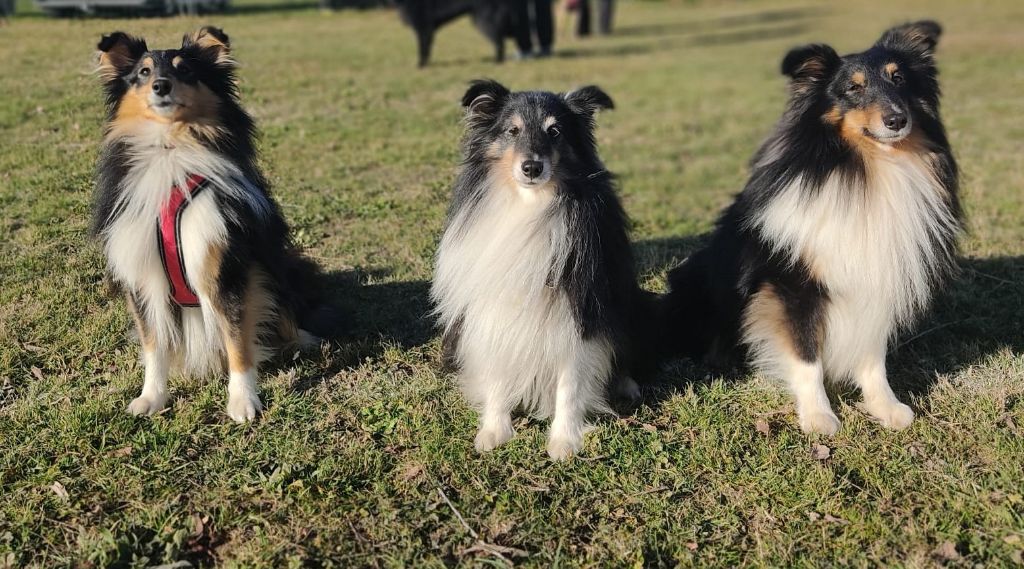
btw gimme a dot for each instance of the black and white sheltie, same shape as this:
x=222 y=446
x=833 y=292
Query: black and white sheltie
x=844 y=231
x=184 y=216
x=534 y=285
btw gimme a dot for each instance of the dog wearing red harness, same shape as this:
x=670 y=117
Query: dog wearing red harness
x=190 y=231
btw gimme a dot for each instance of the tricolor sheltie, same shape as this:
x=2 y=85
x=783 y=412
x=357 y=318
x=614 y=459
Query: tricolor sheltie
x=534 y=283
x=845 y=230
x=183 y=213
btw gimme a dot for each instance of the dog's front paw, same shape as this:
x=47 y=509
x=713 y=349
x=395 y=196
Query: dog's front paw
x=825 y=423
x=147 y=405
x=894 y=415
x=491 y=437
x=562 y=448
x=243 y=407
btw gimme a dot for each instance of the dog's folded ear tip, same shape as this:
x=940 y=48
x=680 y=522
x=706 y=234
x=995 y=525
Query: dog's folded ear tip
x=478 y=88
x=108 y=41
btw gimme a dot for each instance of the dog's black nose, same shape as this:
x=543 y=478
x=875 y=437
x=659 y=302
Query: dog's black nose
x=895 y=121
x=533 y=168
x=162 y=87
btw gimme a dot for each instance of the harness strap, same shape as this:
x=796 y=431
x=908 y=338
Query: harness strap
x=168 y=230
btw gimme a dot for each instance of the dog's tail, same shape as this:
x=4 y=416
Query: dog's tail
x=306 y=294
x=686 y=315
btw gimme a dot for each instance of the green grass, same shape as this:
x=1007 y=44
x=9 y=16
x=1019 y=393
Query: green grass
x=364 y=456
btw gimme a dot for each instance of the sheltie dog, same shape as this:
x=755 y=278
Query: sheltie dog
x=845 y=230
x=183 y=213
x=496 y=19
x=534 y=284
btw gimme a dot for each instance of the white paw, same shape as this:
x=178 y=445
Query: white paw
x=561 y=448
x=243 y=407
x=825 y=423
x=491 y=437
x=894 y=415
x=147 y=405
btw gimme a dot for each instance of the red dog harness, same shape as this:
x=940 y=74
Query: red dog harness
x=168 y=232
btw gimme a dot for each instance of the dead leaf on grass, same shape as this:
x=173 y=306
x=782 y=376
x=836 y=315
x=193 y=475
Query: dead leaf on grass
x=60 y=491
x=123 y=451
x=410 y=472
x=820 y=451
x=762 y=426
x=946 y=551
x=37 y=372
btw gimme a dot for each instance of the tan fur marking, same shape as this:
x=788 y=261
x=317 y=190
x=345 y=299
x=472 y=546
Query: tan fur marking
x=205 y=40
x=197 y=115
x=833 y=116
x=891 y=68
x=211 y=270
x=765 y=319
x=505 y=165
x=858 y=78
x=146 y=335
x=240 y=341
x=855 y=122
x=116 y=57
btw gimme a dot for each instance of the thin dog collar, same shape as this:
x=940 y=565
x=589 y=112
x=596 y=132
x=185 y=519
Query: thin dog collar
x=168 y=232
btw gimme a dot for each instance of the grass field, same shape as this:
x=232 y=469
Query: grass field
x=364 y=455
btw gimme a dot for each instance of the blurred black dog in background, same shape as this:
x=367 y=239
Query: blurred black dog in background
x=496 y=19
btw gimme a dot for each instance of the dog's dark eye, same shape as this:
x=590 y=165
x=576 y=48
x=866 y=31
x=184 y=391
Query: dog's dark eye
x=854 y=88
x=514 y=131
x=897 y=78
x=554 y=132
x=144 y=72
x=184 y=68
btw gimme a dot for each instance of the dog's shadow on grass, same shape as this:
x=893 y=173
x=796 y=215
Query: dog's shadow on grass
x=375 y=314
x=976 y=317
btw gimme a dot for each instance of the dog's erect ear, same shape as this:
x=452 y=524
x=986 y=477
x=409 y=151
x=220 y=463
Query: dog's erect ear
x=588 y=100
x=213 y=43
x=119 y=52
x=916 y=37
x=810 y=65
x=484 y=99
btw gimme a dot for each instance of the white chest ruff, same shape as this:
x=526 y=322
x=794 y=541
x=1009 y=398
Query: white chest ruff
x=872 y=247
x=131 y=243
x=493 y=271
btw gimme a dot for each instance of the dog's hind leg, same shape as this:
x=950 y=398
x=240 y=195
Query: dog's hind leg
x=581 y=385
x=156 y=358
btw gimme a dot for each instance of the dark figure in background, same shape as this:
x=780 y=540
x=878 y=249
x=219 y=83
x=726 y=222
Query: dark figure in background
x=605 y=8
x=542 y=23
x=496 y=19
x=6 y=11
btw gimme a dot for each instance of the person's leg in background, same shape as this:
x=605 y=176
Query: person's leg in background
x=523 y=33
x=544 y=23
x=605 y=10
x=583 y=22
